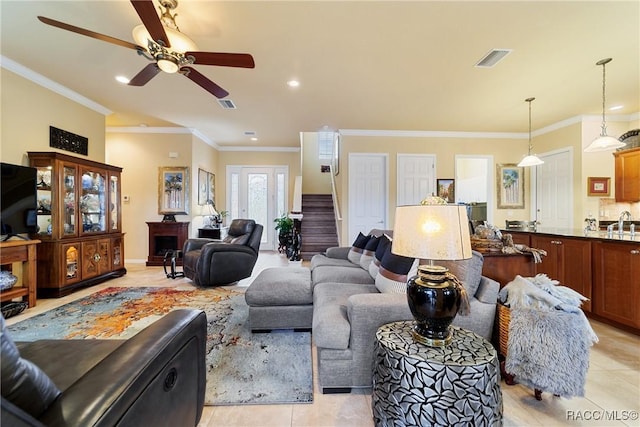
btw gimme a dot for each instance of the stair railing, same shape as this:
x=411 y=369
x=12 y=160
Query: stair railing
x=336 y=205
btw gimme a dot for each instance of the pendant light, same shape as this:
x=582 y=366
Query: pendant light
x=530 y=159
x=604 y=142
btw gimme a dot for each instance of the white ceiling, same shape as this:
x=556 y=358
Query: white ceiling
x=384 y=65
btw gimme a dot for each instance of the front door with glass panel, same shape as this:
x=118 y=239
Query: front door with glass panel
x=258 y=193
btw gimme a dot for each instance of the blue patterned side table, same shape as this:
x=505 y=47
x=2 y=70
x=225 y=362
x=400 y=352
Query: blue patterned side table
x=417 y=385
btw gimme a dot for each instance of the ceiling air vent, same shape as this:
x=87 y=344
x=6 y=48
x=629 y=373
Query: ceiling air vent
x=493 y=57
x=227 y=104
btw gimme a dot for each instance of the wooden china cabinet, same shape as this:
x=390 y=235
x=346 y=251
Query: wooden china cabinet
x=80 y=223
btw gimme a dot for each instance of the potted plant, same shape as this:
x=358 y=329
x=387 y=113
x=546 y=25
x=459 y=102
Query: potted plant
x=223 y=217
x=284 y=226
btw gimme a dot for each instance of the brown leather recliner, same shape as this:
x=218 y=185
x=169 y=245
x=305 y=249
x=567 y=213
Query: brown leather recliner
x=210 y=262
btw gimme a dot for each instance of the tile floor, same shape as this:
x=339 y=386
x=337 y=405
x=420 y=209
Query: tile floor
x=613 y=381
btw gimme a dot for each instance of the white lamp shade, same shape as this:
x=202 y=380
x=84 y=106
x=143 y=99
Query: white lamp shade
x=604 y=143
x=434 y=232
x=530 y=160
x=179 y=42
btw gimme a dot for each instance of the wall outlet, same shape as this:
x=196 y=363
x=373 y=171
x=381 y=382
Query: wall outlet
x=125 y=199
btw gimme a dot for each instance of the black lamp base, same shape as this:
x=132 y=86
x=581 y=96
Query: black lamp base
x=434 y=301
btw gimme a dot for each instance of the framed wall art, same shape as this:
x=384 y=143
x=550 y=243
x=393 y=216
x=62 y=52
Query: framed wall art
x=510 y=186
x=173 y=190
x=446 y=189
x=211 y=187
x=206 y=187
x=598 y=186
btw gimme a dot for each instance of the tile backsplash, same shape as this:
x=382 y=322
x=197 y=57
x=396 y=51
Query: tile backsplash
x=609 y=210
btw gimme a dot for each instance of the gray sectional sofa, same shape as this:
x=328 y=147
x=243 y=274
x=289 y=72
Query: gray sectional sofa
x=344 y=308
x=348 y=309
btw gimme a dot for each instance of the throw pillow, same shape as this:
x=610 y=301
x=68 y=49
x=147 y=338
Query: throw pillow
x=23 y=383
x=394 y=272
x=369 y=252
x=468 y=271
x=357 y=248
x=383 y=244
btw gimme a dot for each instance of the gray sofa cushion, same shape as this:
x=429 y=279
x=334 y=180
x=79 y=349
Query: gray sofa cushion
x=320 y=260
x=331 y=327
x=468 y=271
x=23 y=383
x=327 y=274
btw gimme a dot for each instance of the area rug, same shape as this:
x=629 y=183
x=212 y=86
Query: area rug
x=242 y=368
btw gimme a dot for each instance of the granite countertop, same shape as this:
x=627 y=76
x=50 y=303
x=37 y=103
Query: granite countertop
x=579 y=232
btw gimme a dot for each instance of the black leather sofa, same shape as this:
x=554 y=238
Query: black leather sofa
x=155 y=378
x=210 y=262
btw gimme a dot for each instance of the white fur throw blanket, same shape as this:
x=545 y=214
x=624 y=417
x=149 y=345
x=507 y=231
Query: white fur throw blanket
x=549 y=336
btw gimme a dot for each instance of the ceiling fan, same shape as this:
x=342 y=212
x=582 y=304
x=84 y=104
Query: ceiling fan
x=170 y=50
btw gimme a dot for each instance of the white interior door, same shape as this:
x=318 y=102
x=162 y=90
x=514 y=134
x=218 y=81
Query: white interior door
x=368 y=193
x=258 y=193
x=416 y=177
x=554 y=190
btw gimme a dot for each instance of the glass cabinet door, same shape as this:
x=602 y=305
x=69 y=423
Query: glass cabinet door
x=114 y=201
x=44 y=209
x=93 y=201
x=69 y=200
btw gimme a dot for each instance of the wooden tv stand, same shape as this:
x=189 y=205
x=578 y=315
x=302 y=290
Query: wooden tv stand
x=23 y=254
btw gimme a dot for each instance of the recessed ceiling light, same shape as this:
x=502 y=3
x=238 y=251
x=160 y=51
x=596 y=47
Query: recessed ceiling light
x=254 y=139
x=122 y=79
x=293 y=83
x=616 y=107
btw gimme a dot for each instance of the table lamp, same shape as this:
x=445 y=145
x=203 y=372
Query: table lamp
x=433 y=231
x=213 y=217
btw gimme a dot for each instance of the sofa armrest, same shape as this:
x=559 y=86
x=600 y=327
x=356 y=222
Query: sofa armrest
x=339 y=252
x=195 y=244
x=156 y=377
x=367 y=312
x=487 y=291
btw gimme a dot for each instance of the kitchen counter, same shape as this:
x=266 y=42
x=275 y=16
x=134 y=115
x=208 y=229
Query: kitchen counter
x=580 y=233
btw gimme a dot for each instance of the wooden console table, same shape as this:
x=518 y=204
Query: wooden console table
x=21 y=254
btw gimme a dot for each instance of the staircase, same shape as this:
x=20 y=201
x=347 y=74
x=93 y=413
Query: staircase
x=318 y=228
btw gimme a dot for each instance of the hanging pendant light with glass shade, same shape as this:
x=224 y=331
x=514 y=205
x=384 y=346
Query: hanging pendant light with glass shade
x=604 y=142
x=530 y=159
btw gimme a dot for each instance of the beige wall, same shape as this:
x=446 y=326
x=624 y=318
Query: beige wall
x=27 y=111
x=445 y=149
x=313 y=181
x=140 y=155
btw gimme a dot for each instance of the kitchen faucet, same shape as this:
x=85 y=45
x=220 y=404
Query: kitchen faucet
x=623 y=215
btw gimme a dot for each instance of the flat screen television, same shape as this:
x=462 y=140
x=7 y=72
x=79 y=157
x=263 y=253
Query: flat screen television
x=18 y=200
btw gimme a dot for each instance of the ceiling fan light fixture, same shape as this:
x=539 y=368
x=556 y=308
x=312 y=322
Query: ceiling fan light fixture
x=168 y=65
x=178 y=41
x=604 y=142
x=530 y=159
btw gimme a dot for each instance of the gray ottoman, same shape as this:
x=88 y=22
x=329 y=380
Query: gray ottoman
x=280 y=298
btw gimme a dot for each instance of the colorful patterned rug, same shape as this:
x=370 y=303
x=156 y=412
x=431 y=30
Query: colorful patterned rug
x=242 y=368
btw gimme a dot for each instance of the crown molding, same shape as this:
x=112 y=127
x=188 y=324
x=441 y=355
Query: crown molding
x=432 y=134
x=21 y=70
x=252 y=148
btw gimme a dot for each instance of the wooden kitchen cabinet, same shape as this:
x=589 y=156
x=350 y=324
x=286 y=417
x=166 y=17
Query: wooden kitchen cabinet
x=79 y=222
x=627 y=175
x=616 y=282
x=568 y=260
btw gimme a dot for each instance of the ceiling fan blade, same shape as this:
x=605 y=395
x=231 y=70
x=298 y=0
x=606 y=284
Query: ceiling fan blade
x=242 y=60
x=147 y=13
x=89 y=33
x=204 y=82
x=143 y=77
